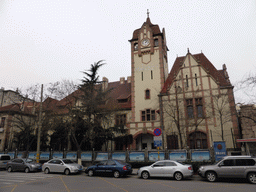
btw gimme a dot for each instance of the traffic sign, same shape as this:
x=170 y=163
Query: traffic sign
x=157 y=141
x=157 y=132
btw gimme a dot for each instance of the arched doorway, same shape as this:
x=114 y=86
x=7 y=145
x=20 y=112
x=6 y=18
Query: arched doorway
x=197 y=140
x=145 y=141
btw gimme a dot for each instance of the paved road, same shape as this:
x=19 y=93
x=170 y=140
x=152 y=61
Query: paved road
x=40 y=182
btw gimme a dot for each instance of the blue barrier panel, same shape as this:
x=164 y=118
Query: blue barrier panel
x=86 y=156
x=137 y=156
x=32 y=155
x=178 y=155
x=101 y=156
x=200 y=155
x=45 y=156
x=12 y=154
x=153 y=156
x=57 y=155
x=119 y=156
x=19 y=155
x=71 y=156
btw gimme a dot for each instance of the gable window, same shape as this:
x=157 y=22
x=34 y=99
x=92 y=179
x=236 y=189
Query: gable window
x=186 y=80
x=147 y=94
x=190 y=110
x=196 y=80
x=141 y=76
x=120 y=119
x=148 y=115
x=199 y=107
x=151 y=74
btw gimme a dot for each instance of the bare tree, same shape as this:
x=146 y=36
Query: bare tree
x=221 y=106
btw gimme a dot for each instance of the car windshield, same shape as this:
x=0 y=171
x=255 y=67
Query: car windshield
x=217 y=161
x=28 y=160
x=67 y=161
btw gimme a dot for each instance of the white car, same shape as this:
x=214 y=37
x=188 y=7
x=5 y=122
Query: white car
x=166 y=168
x=65 y=166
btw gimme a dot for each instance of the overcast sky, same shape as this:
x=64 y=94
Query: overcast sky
x=51 y=40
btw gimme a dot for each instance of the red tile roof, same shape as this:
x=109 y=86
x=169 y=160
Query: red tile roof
x=202 y=60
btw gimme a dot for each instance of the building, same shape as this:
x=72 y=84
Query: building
x=199 y=106
x=193 y=104
x=247 y=119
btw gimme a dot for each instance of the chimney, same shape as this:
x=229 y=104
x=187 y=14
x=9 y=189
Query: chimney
x=122 y=79
x=129 y=79
x=104 y=83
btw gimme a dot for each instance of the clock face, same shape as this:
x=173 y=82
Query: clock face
x=145 y=42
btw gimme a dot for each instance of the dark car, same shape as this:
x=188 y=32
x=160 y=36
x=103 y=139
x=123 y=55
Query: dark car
x=26 y=165
x=4 y=159
x=116 y=168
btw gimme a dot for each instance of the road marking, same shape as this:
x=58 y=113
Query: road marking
x=113 y=184
x=64 y=184
x=19 y=181
x=14 y=188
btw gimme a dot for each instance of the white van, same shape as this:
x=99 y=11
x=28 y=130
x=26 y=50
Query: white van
x=4 y=158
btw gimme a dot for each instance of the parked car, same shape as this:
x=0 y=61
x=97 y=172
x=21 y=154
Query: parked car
x=166 y=168
x=4 y=159
x=65 y=166
x=26 y=165
x=230 y=167
x=116 y=168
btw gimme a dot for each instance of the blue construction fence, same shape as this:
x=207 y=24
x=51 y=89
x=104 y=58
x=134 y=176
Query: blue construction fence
x=128 y=156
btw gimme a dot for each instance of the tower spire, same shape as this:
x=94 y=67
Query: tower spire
x=148 y=13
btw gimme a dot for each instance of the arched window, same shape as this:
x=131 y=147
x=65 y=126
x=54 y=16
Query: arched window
x=198 y=140
x=147 y=94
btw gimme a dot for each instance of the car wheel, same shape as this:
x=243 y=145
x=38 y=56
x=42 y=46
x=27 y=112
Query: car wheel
x=211 y=176
x=26 y=170
x=67 y=172
x=252 y=178
x=9 y=169
x=46 y=171
x=116 y=174
x=145 y=175
x=178 y=176
x=90 y=173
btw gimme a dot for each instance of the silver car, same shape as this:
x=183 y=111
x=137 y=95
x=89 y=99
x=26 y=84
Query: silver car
x=230 y=167
x=166 y=168
x=65 y=166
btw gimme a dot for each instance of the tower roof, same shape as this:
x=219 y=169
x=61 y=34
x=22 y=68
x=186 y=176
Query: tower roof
x=155 y=29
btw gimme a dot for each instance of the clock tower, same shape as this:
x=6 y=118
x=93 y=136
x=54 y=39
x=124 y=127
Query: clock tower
x=149 y=66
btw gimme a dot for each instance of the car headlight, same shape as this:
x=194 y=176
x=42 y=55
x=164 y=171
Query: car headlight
x=201 y=168
x=33 y=166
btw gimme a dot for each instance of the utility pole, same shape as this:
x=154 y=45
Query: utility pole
x=39 y=126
